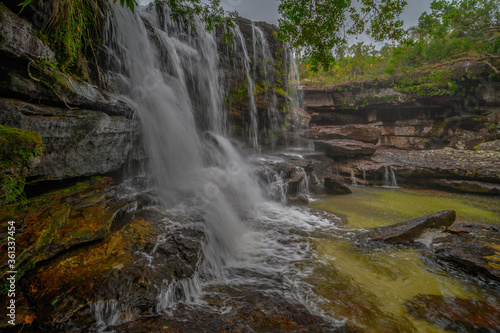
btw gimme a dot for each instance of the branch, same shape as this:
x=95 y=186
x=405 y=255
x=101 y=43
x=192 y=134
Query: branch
x=477 y=59
x=48 y=85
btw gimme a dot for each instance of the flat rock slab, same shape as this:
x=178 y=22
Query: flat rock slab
x=344 y=148
x=405 y=232
x=471 y=248
x=363 y=133
x=456 y=314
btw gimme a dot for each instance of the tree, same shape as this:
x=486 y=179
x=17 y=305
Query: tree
x=317 y=27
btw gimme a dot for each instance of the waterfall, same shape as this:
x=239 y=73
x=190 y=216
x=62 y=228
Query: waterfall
x=170 y=75
x=254 y=126
x=192 y=162
x=273 y=116
x=390 y=178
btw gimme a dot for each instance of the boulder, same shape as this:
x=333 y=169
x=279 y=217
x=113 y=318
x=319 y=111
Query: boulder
x=470 y=248
x=18 y=39
x=344 y=148
x=407 y=231
x=456 y=314
x=363 y=133
x=336 y=186
x=77 y=142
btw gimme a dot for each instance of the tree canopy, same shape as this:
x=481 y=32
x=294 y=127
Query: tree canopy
x=316 y=27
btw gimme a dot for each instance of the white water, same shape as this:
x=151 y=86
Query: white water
x=173 y=81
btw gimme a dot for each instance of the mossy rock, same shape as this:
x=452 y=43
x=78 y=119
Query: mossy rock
x=54 y=222
x=19 y=151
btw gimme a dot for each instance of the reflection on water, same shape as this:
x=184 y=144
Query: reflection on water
x=372 y=207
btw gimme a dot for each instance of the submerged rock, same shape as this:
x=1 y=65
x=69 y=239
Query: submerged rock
x=344 y=148
x=407 y=231
x=456 y=314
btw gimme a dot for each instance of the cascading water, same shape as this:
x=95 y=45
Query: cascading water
x=390 y=178
x=254 y=126
x=171 y=77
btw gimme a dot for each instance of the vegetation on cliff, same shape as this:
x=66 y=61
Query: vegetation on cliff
x=19 y=149
x=460 y=30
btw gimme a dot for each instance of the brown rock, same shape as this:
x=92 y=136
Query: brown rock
x=407 y=231
x=59 y=220
x=343 y=148
x=456 y=314
x=336 y=186
x=472 y=249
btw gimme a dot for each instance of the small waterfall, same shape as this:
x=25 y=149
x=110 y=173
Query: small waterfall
x=275 y=185
x=268 y=74
x=353 y=178
x=110 y=313
x=254 y=125
x=364 y=178
x=390 y=178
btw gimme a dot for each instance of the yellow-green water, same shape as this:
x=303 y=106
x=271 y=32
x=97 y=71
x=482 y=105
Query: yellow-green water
x=372 y=207
x=369 y=287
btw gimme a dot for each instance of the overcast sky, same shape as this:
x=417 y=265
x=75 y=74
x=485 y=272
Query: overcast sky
x=267 y=10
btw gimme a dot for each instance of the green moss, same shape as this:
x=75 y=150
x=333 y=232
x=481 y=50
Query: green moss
x=18 y=148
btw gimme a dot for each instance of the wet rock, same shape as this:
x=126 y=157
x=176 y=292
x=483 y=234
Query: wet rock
x=57 y=221
x=299 y=200
x=456 y=314
x=336 y=186
x=343 y=148
x=300 y=118
x=128 y=270
x=18 y=38
x=471 y=248
x=407 y=231
x=363 y=133
x=77 y=142
x=244 y=311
